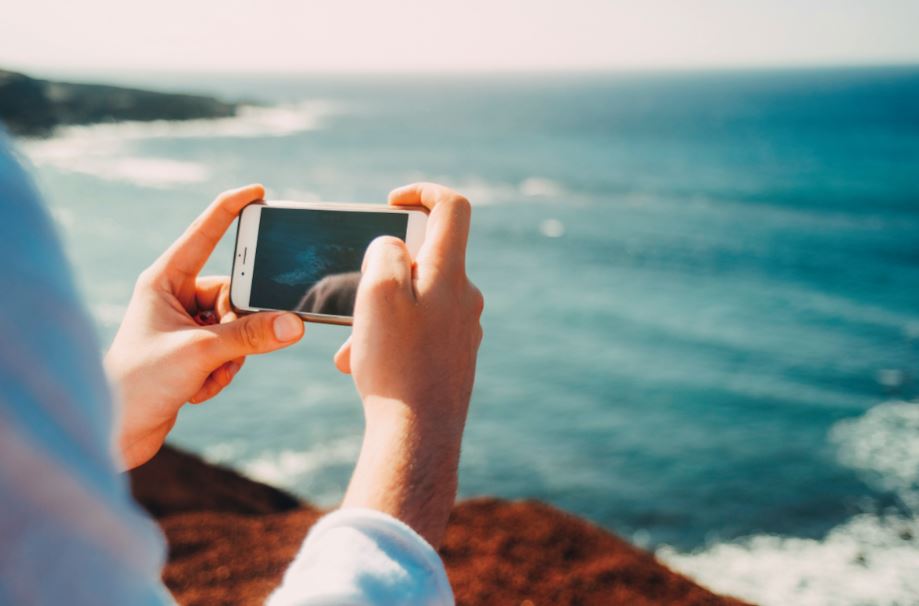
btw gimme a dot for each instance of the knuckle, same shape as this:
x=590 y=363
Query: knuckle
x=222 y=197
x=382 y=285
x=147 y=278
x=477 y=300
x=199 y=221
x=386 y=243
x=451 y=282
x=200 y=348
x=459 y=204
x=381 y=247
x=250 y=335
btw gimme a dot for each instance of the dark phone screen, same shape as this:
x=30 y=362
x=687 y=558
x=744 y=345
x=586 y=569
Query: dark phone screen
x=310 y=260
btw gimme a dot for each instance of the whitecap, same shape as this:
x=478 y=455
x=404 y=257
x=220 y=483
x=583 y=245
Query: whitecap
x=884 y=445
x=552 y=228
x=249 y=121
x=871 y=559
x=105 y=150
x=284 y=468
x=222 y=452
x=107 y=159
x=534 y=187
x=147 y=172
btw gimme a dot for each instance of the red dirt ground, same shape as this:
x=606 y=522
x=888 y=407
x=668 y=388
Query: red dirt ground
x=230 y=540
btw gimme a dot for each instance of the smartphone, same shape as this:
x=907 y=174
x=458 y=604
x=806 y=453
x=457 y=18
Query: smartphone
x=306 y=257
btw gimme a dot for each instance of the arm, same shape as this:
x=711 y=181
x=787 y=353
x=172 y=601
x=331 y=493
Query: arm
x=412 y=354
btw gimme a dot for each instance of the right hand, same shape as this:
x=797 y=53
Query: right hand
x=412 y=353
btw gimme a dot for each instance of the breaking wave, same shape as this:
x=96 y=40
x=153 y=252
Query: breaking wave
x=287 y=467
x=106 y=150
x=871 y=559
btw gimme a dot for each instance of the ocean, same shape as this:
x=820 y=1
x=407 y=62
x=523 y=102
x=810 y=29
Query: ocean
x=702 y=296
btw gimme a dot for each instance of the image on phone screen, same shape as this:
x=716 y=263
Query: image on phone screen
x=310 y=260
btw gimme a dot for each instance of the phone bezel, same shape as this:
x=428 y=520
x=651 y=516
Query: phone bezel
x=245 y=250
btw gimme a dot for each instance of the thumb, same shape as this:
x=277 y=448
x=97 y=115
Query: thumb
x=255 y=334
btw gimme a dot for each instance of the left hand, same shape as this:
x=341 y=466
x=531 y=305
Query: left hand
x=162 y=357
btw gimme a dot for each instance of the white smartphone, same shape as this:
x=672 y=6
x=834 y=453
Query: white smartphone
x=306 y=257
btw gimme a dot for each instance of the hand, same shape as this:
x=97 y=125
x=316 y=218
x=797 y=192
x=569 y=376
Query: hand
x=162 y=357
x=412 y=353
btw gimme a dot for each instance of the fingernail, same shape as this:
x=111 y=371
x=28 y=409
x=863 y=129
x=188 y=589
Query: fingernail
x=287 y=327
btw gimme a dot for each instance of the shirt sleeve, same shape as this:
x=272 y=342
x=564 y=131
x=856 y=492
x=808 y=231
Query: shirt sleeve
x=69 y=529
x=361 y=557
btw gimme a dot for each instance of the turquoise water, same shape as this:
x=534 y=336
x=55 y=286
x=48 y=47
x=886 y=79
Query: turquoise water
x=702 y=292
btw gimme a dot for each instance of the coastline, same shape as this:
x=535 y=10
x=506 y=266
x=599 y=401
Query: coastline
x=231 y=538
x=35 y=107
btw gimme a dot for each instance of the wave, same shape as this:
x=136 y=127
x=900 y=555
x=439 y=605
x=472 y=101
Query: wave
x=249 y=121
x=285 y=468
x=884 y=445
x=871 y=559
x=104 y=150
x=868 y=560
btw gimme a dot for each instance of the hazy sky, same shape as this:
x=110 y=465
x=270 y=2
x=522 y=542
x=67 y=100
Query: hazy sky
x=338 y=35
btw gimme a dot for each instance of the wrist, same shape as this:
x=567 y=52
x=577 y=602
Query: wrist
x=407 y=466
x=433 y=420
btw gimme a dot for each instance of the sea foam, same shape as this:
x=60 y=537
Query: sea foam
x=871 y=559
x=105 y=150
x=284 y=468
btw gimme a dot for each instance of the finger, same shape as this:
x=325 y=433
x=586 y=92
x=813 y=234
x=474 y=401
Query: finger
x=448 y=224
x=342 y=357
x=211 y=388
x=213 y=293
x=223 y=307
x=190 y=252
x=387 y=266
x=217 y=381
x=253 y=334
x=208 y=290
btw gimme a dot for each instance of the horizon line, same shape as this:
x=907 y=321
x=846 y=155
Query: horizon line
x=46 y=71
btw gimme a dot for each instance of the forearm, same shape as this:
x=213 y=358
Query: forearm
x=407 y=467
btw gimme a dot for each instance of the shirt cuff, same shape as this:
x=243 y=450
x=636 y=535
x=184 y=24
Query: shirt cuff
x=364 y=557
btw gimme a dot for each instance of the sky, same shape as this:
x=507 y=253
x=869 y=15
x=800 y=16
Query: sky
x=473 y=35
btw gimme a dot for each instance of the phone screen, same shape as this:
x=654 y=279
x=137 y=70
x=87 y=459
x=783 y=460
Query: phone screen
x=310 y=260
